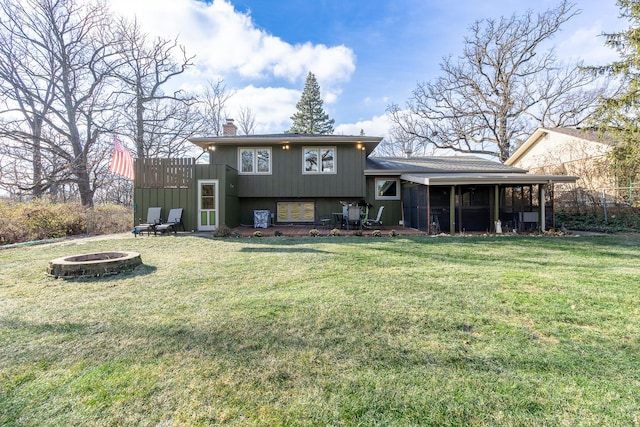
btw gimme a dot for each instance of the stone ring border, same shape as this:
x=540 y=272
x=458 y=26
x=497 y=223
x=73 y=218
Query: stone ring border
x=94 y=264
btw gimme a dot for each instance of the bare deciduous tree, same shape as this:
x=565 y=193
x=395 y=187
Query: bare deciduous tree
x=567 y=96
x=501 y=88
x=246 y=120
x=150 y=112
x=27 y=79
x=213 y=110
x=72 y=45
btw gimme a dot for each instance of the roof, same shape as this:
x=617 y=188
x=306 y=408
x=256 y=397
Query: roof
x=436 y=164
x=485 y=178
x=585 y=134
x=457 y=170
x=369 y=142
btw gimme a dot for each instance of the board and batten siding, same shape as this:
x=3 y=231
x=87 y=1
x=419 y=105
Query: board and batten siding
x=149 y=193
x=288 y=181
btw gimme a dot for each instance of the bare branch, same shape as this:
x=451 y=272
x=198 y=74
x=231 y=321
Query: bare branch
x=500 y=88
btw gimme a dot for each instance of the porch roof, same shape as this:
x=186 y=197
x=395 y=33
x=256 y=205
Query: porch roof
x=485 y=178
x=436 y=165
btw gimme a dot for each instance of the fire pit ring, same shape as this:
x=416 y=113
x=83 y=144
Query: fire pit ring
x=95 y=264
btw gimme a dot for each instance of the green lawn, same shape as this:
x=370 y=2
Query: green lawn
x=326 y=331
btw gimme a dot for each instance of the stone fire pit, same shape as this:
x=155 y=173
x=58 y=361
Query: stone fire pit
x=92 y=265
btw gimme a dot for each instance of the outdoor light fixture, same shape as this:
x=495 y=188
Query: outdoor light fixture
x=286 y=146
x=211 y=148
x=360 y=146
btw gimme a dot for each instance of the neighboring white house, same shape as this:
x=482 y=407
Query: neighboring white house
x=565 y=151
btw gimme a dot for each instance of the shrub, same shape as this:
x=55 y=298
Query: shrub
x=277 y=233
x=314 y=232
x=40 y=219
x=393 y=233
x=107 y=219
x=357 y=233
x=257 y=234
x=334 y=232
x=376 y=233
x=618 y=219
x=222 y=231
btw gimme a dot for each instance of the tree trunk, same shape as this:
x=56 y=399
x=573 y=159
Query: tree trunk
x=37 y=167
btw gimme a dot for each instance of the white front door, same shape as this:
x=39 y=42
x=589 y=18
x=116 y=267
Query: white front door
x=207 y=204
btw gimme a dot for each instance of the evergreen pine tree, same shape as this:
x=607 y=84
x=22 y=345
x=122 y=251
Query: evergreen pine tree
x=620 y=114
x=310 y=117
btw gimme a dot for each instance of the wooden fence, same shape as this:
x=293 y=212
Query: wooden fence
x=164 y=173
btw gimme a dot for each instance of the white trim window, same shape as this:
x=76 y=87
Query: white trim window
x=254 y=161
x=387 y=189
x=319 y=160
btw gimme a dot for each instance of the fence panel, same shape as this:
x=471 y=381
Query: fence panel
x=164 y=173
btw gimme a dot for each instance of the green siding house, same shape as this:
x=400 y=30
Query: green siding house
x=307 y=179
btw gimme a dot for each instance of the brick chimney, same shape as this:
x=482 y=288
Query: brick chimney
x=229 y=128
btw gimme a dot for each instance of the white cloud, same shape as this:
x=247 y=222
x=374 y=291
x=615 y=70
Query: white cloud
x=377 y=126
x=271 y=106
x=230 y=47
x=587 y=45
x=226 y=41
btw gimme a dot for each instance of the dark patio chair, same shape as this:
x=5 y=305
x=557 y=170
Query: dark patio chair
x=174 y=220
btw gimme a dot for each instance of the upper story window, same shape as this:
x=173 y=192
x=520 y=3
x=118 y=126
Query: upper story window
x=387 y=189
x=319 y=160
x=254 y=160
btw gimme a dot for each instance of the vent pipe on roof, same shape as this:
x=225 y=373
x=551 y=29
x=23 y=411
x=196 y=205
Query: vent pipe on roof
x=408 y=152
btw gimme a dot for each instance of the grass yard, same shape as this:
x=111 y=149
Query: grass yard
x=473 y=331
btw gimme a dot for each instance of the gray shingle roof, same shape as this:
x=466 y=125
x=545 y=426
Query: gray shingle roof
x=453 y=164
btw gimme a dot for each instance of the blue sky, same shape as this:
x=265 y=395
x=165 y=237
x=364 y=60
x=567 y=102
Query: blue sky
x=366 y=54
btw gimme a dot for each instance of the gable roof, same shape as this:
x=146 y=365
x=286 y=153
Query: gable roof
x=368 y=142
x=584 y=134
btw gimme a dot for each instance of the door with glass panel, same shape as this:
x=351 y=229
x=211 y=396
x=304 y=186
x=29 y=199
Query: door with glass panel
x=208 y=214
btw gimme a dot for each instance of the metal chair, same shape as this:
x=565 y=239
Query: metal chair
x=353 y=216
x=153 y=219
x=377 y=221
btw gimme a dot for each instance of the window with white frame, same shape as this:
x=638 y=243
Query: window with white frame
x=254 y=160
x=319 y=160
x=387 y=189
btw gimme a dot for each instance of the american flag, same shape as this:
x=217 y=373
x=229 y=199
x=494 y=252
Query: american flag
x=121 y=161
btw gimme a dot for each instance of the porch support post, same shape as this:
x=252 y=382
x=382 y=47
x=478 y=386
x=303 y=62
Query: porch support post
x=496 y=206
x=542 y=208
x=428 y=209
x=452 y=210
x=460 y=220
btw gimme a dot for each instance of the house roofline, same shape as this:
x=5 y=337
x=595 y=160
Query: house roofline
x=535 y=136
x=368 y=142
x=526 y=146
